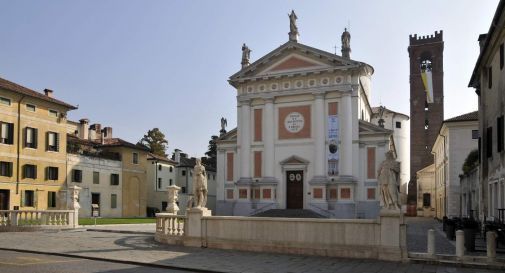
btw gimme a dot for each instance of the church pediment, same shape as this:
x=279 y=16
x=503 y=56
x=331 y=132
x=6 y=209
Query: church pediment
x=294 y=160
x=368 y=127
x=293 y=57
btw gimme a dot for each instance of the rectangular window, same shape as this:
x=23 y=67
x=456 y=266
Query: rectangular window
x=242 y=193
x=6 y=133
x=51 y=199
x=258 y=124
x=164 y=205
x=159 y=167
x=96 y=178
x=333 y=194
x=332 y=109
x=135 y=158
x=53 y=113
x=371 y=162
x=257 y=193
x=229 y=194
x=77 y=176
x=370 y=194
x=113 y=201
x=267 y=193
x=398 y=124
x=159 y=182
x=31 y=137
x=499 y=133
x=52 y=141
x=114 y=179
x=229 y=166
x=5 y=101
x=29 y=198
x=183 y=189
x=489 y=142
x=52 y=173
x=171 y=169
x=30 y=171
x=257 y=163
x=345 y=193
x=31 y=107
x=183 y=173
x=5 y=168
x=317 y=193
x=170 y=182
x=490 y=77
x=501 y=56
x=426 y=200
x=475 y=134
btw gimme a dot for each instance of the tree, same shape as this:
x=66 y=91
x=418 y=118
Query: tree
x=212 y=152
x=471 y=161
x=155 y=141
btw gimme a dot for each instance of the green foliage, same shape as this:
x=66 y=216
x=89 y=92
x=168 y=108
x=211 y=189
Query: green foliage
x=471 y=161
x=212 y=152
x=155 y=141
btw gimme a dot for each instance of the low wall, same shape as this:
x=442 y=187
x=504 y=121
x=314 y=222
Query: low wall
x=18 y=220
x=383 y=238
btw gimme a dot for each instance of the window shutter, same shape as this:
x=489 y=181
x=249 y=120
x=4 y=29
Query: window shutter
x=57 y=141
x=25 y=132
x=47 y=141
x=34 y=171
x=56 y=174
x=35 y=138
x=11 y=133
x=23 y=173
x=35 y=194
x=22 y=203
x=47 y=173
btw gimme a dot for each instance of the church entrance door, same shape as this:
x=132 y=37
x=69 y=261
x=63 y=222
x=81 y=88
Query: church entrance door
x=294 y=189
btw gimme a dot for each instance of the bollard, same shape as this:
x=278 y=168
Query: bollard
x=491 y=245
x=460 y=243
x=431 y=242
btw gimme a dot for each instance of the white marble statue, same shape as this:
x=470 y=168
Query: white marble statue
x=74 y=197
x=199 y=185
x=388 y=175
x=173 y=197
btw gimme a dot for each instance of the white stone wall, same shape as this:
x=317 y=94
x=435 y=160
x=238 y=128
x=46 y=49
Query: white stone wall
x=157 y=194
x=105 y=167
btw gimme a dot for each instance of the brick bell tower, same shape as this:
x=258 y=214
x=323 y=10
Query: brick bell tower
x=426 y=102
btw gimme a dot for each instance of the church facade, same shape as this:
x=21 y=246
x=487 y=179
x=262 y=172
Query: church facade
x=304 y=139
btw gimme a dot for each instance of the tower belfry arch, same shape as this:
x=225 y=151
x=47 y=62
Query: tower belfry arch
x=426 y=101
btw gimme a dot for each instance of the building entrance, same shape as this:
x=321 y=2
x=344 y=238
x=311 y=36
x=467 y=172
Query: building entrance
x=294 y=189
x=4 y=199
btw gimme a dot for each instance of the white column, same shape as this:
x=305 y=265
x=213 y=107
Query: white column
x=319 y=136
x=245 y=143
x=346 y=135
x=268 y=140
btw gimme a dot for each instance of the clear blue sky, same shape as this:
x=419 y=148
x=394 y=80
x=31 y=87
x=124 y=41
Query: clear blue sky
x=135 y=65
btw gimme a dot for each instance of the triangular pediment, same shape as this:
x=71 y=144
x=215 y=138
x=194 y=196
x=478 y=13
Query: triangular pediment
x=294 y=160
x=368 y=127
x=293 y=57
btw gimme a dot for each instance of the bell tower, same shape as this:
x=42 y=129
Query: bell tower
x=426 y=102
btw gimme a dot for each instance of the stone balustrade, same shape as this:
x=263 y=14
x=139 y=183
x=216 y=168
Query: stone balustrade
x=170 y=228
x=11 y=220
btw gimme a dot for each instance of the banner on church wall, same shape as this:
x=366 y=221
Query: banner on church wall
x=426 y=76
x=333 y=137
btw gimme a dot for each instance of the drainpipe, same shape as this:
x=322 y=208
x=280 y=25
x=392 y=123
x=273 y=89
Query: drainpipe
x=19 y=144
x=444 y=177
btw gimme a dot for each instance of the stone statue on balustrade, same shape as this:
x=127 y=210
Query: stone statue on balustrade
x=173 y=196
x=388 y=176
x=74 y=197
x=199 y=185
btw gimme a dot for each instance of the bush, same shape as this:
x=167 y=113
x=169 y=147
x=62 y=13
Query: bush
x=471 y=161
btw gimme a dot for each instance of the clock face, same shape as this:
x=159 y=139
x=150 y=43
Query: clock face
x=294 y=122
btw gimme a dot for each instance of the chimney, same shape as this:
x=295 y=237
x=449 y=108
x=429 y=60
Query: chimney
x=482 y=40
x=48 y=92
x=177 y=155
x=83 y=128
x=107 y=132
x=95 y=131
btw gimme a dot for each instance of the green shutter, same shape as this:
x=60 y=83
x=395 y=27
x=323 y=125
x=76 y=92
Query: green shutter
x=35 y=200
x=34 y=171
x=57 y=142
x=10 y=127
x=25 y=136
x=47 y=141
x=35 y=138
x=22 y=199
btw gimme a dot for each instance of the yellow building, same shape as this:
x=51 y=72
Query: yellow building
x=32 y=148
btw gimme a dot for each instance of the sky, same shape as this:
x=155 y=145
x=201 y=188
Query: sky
x=136 y=65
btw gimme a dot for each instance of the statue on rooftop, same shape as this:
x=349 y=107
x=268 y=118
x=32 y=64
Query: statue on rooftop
x=293 y=29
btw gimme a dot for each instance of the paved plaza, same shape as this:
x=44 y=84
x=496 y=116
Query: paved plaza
x=417 y=234
x=141 y=248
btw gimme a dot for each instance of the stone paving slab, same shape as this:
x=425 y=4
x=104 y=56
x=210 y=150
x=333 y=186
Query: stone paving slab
x=142 y=248
x=123 y=228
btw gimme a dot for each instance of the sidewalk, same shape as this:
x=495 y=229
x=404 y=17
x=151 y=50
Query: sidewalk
x=123 y=228
x=141 y=248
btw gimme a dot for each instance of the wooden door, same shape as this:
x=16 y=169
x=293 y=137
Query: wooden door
x=4 y=199
x=294 y=189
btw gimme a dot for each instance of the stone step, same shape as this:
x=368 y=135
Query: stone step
x=289 y=213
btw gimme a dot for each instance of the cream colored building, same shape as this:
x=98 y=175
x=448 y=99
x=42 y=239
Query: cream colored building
x=304 y=138
x=161 y=173
x=426 y=192
x=488 y=79
x=32 y=148
x=458 y=136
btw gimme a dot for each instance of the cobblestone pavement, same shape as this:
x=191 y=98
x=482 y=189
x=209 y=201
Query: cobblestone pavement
x=143 y=249
x=417 y=236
